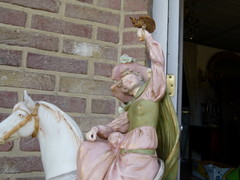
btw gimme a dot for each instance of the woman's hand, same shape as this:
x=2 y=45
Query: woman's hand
x=92 y=134
x=142 y=34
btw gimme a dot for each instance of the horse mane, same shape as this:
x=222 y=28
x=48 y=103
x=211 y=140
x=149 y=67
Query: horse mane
x=61 y=115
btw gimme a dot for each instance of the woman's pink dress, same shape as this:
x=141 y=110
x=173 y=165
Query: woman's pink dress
x=113 y=158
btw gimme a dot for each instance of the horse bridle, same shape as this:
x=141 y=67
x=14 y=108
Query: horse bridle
x=25 y=121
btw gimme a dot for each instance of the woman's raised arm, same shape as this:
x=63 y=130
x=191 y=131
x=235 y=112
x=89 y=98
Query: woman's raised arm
x=157 y=84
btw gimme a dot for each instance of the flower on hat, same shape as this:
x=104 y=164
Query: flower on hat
x=126 y=59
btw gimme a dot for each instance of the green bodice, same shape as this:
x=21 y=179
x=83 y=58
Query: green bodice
x=143 y=113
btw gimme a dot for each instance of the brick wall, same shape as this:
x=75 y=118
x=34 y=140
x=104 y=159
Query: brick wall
x=63 y=52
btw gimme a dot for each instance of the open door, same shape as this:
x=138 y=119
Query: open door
x=168 y=15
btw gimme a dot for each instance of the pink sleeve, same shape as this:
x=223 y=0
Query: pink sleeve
x=119 y=124
x=157 y=85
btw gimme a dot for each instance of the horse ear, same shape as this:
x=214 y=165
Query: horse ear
x=30 y=103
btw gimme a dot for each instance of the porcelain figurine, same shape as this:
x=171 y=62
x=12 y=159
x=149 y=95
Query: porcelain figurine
x=126 y=148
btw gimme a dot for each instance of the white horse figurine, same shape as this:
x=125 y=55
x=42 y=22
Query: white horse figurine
x=58 y=134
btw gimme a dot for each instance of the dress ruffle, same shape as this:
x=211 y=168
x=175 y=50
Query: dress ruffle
x=105 y=160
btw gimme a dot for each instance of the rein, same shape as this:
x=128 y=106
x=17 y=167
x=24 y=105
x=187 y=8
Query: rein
x=25 y=121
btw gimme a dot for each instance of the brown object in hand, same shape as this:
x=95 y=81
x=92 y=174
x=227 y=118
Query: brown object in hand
x=144 y=22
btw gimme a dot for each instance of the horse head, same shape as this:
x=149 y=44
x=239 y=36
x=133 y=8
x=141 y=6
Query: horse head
x=55 y=130
x=23 y=121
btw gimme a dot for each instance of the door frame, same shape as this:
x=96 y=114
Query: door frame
x=168 y=15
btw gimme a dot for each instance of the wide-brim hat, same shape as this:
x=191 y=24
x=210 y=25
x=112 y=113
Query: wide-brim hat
x=126 y=64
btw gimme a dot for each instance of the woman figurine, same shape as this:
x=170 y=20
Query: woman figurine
x=126 y=147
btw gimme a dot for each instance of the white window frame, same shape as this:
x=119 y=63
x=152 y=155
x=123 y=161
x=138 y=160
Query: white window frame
x=168 y=15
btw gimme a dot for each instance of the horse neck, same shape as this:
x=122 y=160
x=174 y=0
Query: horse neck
x=58 y=142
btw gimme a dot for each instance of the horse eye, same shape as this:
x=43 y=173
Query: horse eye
x=20 y=115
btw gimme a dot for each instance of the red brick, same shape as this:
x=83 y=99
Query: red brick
x=109 y=53
x=8 y=99
x=27 y=80
x=10 y=57
x=85 y=86
x=45 y=5
x=12 y=17
x=100 y=106
x=86 y=1
x=29 y=144
x=141 y=5
x=89 y=49
x=92 y=14
x=112 y=4
x=127 y=20
x=107 y=35
x=22 y=38
x=20 y=164
x=67 y=104
x=62 y=27
x=6 y=147
x=103 y=69
x=86 y=123
x=130 y=38
x=31 y=178
x=138 y=53
x=3 y=116
x=52 y=63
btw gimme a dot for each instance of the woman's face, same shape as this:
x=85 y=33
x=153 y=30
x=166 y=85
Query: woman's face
x=129 y=82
